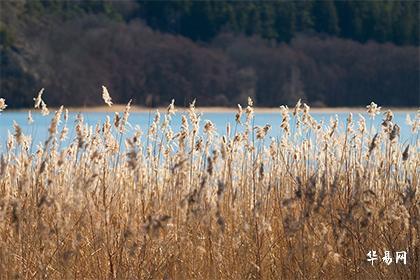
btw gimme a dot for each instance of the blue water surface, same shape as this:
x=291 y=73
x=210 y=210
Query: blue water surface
x=39 y=129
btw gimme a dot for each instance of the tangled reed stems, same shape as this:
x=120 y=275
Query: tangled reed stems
x=193 y=204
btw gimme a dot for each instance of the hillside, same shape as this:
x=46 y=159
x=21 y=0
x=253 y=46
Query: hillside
x=327 y=53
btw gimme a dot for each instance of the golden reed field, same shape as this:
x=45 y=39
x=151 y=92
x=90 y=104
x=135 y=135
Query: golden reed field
x=193 y=202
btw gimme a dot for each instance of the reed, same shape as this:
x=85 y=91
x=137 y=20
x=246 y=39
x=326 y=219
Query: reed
x=196 y=203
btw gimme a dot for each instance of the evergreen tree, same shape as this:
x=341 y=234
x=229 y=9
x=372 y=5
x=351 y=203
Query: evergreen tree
x=325 y=17
x=285 y=21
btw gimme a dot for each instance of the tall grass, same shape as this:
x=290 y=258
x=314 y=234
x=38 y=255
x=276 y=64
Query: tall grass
x=199 y=203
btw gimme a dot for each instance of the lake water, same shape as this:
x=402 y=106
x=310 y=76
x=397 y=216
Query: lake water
x=39 y=129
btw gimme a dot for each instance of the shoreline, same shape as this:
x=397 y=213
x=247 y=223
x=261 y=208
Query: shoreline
x=269 y=110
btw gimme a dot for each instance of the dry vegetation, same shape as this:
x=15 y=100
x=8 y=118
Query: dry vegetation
x=197 y=204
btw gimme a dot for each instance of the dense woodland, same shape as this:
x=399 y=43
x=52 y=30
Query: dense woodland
x=328 y=53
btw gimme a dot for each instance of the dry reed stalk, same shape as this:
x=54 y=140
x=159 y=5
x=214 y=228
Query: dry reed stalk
x=190 y=204
x=3 y=104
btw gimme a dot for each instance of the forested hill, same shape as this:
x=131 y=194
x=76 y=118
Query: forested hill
x=343 y=53
x=382 y=21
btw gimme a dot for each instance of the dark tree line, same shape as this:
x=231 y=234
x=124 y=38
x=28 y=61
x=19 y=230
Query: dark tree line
x=382 y=21
x=217 y=52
